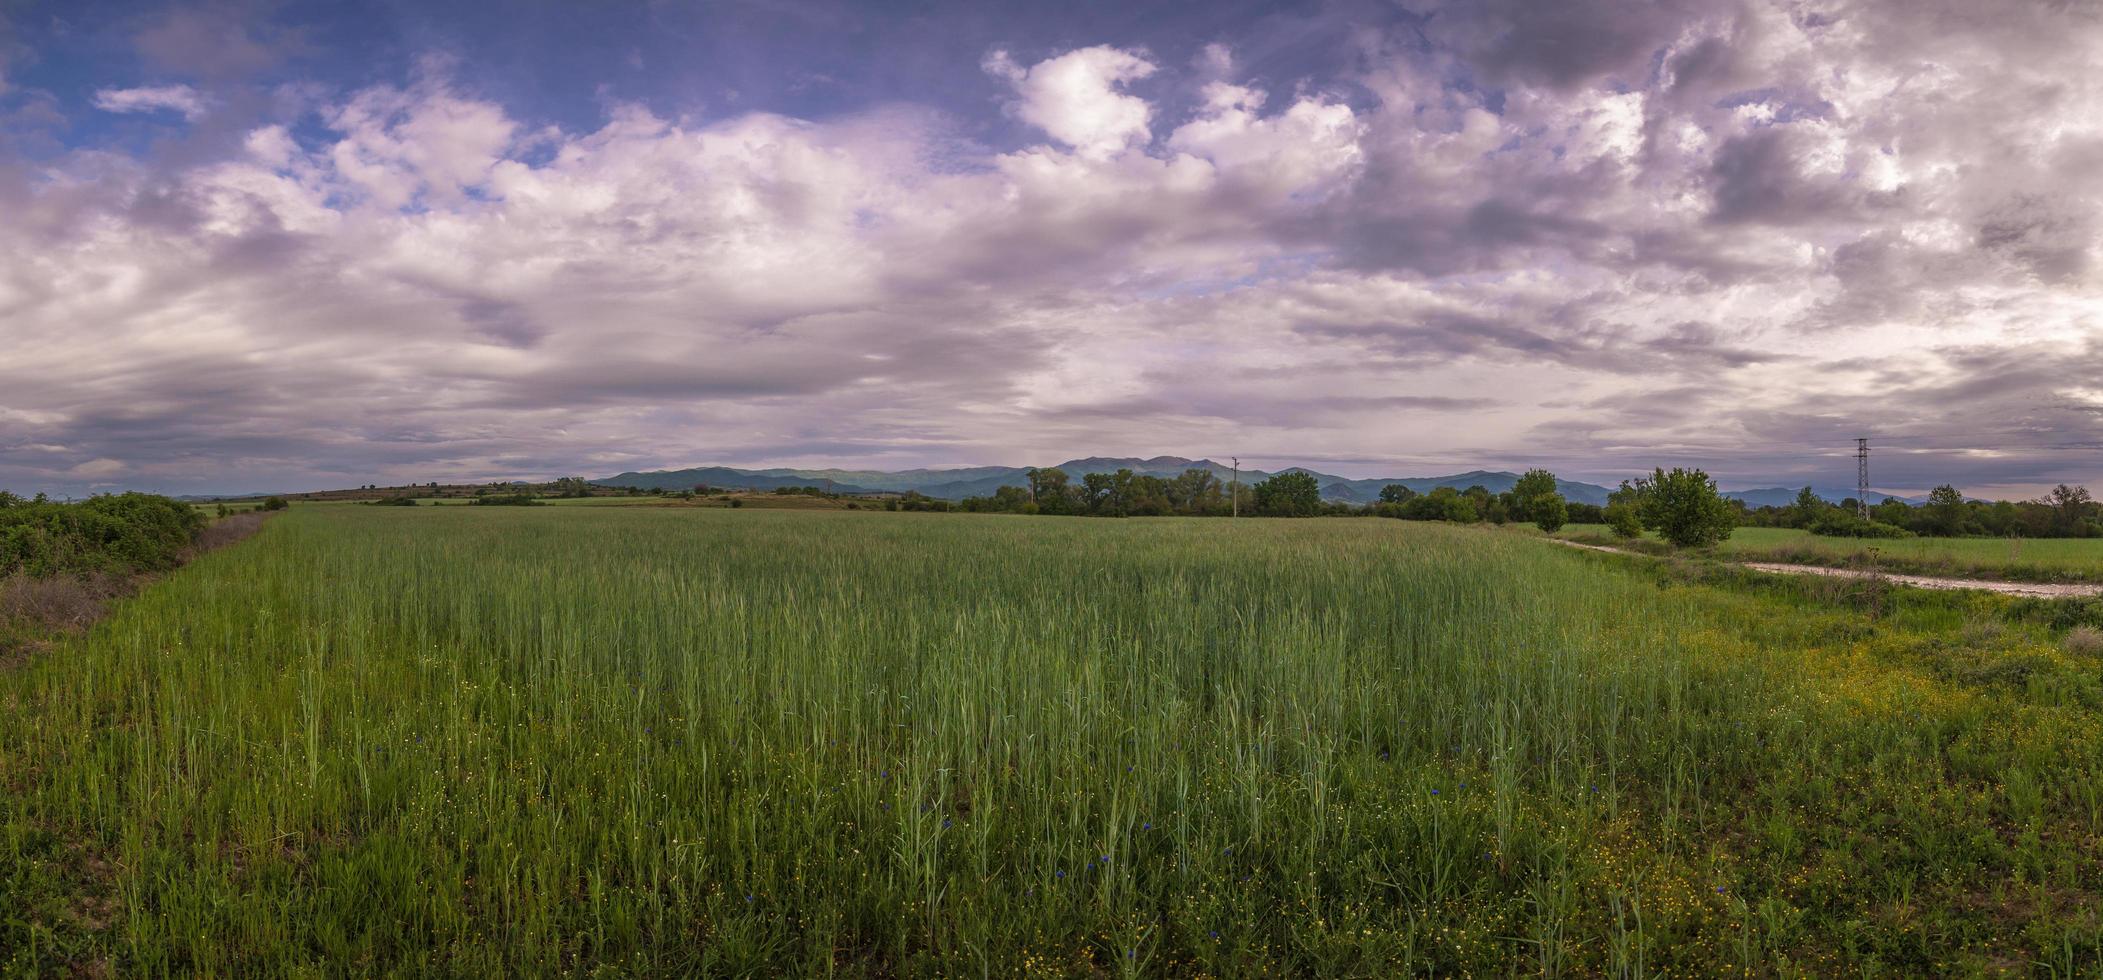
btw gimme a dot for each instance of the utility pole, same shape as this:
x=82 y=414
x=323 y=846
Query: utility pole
x=1234 y=486
x=1862 y=476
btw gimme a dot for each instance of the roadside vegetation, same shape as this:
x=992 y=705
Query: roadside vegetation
x=666 y=741
x=2010 y=559
x=61 y=562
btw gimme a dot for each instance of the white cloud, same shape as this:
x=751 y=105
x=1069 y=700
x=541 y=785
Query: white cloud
x=181 y=99
x=414 y=283
x=1075 y=97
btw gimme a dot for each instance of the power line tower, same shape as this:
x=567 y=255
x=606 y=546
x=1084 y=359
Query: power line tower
x=1234 y=487
x=1862 y=476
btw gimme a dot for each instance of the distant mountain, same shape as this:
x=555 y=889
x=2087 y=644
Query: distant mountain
x=1785 y=496
x=979 y=481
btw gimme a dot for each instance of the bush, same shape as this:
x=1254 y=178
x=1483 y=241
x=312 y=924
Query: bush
x=1548 y=511
x=122 y=533
x=506 y=500
x=1839 y=523
x=2085 y=641
x=275 y=503
x=1623 y=521
x=393 y=502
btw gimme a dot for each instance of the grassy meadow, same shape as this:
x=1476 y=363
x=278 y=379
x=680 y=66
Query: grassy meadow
x=612 y=740
x=2012 y=559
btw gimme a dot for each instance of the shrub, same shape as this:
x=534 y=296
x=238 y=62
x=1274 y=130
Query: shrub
x=126 y=532
x=1623 y=521
x=1838 y=523
x=1548 y=511
x=2086 y=641
x=275 y=503
x=507 y=500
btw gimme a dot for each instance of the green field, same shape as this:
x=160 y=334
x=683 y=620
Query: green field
x=504 y=741
x=2012 y=559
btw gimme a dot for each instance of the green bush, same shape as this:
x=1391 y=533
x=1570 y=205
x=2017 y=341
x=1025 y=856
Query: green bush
x=1623 y=520
x=1549 y=512
x=126 y=532
x=1838 y=523
x=506 y=500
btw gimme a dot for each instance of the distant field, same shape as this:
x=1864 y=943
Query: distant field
x=522 y=741
x=2027 y=560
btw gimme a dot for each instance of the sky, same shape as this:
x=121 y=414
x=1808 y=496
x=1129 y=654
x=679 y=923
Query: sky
x=273 y=246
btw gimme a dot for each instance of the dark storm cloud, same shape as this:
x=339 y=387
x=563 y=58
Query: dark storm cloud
x=1562 y=45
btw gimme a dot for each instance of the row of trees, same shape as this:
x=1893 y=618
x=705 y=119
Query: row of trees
x=1200 y=493
x=2066 y=512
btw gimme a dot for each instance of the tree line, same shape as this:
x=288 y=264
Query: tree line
x=1199 y=492
x=2065 y=512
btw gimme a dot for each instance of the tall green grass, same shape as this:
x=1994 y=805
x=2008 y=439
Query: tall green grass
x=472 y=741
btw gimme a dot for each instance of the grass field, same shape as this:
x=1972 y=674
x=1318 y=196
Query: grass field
x=503 y=741
x=2020 y=559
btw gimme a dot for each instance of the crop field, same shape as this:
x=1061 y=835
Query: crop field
x=629 y=740
x=2014 y=559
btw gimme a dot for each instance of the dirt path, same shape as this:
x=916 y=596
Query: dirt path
x=2039 y=590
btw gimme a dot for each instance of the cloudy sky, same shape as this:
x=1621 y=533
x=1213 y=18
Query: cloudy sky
x=282 y=245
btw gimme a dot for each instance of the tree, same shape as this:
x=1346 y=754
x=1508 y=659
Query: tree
x=1946 y=510
x=1549 y=511
x=1395 y=493
x=1441 y=504
x=2072 y=504
x=275 y=503
x=1808 y=507
x=1196 y=491
x=1532 y=485
x=1049 y=489
x=1293 y=494
x=1683 y=505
